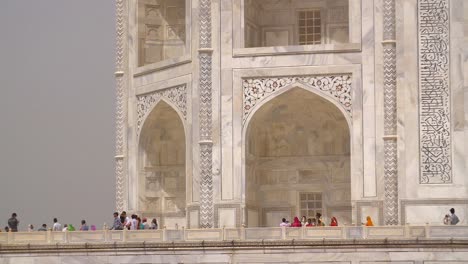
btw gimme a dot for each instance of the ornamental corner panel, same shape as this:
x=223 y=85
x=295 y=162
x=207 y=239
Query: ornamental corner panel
x=434 y=82
x=176 y=95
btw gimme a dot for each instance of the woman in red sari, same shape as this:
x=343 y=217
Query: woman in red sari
x=334 y=222
x=296 y=222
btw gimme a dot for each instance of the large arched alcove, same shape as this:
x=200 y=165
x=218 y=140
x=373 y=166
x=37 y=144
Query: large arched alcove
x=297 y=160
x=162 y=162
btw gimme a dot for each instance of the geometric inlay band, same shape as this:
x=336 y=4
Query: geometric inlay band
x=434 y=78
x=120 y=113
x=205 y=115
x=337 y=87
x=390 y=115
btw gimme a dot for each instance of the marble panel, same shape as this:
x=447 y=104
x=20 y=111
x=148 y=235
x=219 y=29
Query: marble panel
x=232 y=234
x=23 y=260
x=417 y=231
x=174 y=235
x=385 y=232
x=324 y=232
x=253 y=218
x=86 y=236
x=175 y=222
x=449 y=232
x=30 y=237
x=59 y=236
x=201 y=235
x=115 y=235
x=387 y=262
x=194 y=218
x=355 y=232
x=3 y=237
x=263 y=233
x=446 y=262
x=227 y=217
x=294 y=233
x=432 y=214
x=149 y=236
x=83 y=259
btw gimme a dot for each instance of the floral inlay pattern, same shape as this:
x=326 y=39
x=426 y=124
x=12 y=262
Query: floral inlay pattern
x=337 y=87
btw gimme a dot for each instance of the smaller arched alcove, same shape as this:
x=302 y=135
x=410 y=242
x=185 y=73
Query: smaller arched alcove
x=162 y=162
x=297 y=160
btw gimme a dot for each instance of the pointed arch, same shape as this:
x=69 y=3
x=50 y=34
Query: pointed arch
x=152 y=108
x=162 y=163
x=295 y=154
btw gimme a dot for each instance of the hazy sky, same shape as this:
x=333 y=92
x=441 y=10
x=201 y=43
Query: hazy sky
x=57 y=111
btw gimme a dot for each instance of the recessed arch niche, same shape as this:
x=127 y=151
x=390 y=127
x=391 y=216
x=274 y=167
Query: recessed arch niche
x=162 y=164
x=297 y=160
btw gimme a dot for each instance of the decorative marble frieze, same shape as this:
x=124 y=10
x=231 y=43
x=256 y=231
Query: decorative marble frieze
x=337 y=87
x=435 y=128
x=177 y=95
x=120 y=118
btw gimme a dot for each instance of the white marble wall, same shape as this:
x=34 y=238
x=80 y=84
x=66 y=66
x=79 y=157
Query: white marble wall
x=361 y=58
x=298 y=256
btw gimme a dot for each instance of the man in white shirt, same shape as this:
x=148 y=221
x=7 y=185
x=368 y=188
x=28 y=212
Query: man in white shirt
x=57 y=226
x=134 y=224
x=285 y=223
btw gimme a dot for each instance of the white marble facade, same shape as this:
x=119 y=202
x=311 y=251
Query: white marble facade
x=241 y=112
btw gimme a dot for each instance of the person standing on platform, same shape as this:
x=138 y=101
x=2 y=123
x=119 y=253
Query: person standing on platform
x=84 y=226
x=296 y=222
x=117 y=222
x=453 y=218
x=13 y=223
x=57 y=226
x=284 y=223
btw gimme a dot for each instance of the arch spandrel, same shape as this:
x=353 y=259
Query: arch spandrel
x=176 y=97
x=335 y=88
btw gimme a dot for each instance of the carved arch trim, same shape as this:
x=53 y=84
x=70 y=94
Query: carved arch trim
x=175 y=96
x=335 y=88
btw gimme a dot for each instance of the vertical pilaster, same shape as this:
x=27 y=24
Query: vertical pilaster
x=390 y=115
x=205 y=89
x=120 y=106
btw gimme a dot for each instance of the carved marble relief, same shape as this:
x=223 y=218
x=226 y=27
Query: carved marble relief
x=176 y=95
x=435 y=130
x=337 y=87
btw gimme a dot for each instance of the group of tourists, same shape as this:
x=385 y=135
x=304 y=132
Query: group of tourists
x=134 y=222
x=449 y=219
x=317 y=221
x=13 y=224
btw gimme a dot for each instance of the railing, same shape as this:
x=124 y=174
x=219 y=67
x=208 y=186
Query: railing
x=239 y=234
